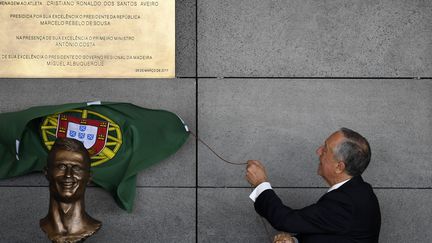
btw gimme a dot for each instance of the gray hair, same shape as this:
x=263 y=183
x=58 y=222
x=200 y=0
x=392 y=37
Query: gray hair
x=354 y=151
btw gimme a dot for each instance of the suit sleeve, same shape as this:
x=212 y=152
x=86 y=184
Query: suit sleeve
x=331 y=214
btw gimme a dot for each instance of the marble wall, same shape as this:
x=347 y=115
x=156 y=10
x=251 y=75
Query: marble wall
x=266 y=80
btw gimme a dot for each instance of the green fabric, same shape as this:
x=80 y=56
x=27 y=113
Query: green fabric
x=149 y=136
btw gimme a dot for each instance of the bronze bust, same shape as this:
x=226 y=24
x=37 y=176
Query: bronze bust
x=68 y=173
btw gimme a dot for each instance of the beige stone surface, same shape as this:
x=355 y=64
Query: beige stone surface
x=93 y=39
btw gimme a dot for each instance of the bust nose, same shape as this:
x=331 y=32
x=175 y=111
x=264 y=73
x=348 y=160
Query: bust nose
x=68 y=172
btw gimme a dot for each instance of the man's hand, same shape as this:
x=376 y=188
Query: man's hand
x=283 y=238
x=255 y=173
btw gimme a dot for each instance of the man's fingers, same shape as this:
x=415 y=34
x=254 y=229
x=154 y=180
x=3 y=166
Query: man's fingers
x=255 y=163
x=282 y=238
x=251 y=168
x=249 y=174
x=255 y=172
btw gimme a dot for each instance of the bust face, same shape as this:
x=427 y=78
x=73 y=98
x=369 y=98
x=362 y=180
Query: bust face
x=68 y=175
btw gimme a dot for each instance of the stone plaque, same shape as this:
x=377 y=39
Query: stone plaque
x=87 y=38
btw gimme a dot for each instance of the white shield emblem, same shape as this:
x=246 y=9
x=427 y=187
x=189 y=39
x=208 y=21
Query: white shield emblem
x=92 y=133
x=84 y=133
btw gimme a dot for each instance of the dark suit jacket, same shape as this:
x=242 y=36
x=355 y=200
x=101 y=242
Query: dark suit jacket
x=350 y=213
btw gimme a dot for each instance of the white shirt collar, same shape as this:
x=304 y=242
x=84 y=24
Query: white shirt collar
x=337 y=185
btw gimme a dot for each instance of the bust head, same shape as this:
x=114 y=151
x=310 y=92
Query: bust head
x=68 y=170
x=68 y=173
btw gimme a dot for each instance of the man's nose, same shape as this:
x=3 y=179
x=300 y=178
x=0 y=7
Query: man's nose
x=319 y=150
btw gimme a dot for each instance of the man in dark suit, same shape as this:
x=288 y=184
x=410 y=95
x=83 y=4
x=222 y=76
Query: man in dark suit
x=348 y=212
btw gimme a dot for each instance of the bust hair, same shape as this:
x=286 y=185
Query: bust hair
x=68 y=144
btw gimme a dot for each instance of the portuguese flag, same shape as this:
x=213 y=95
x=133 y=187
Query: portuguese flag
x=121 y=138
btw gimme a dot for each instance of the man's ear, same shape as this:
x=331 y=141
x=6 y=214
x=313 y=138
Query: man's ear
x=340 y=168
